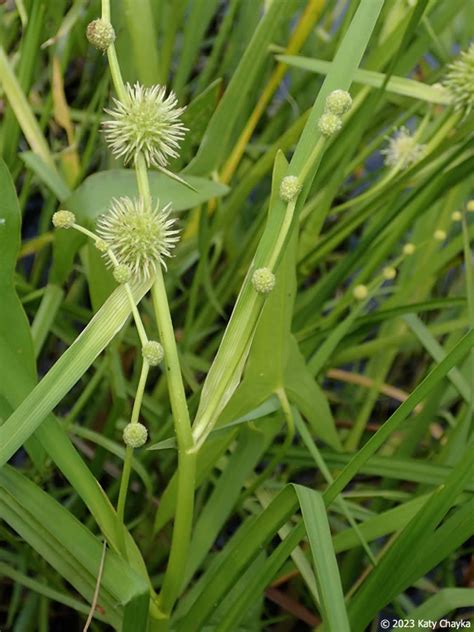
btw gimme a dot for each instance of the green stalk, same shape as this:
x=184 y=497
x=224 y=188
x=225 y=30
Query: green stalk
x=186 y=456
x=113 y=61
x=127 y=465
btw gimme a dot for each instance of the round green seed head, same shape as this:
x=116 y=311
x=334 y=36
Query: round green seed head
x=135 y=435
x=409 y=249
x=470 y=206
x=389 y=273
x=122 y=273
x=329 y=124
x=100 y=34
x=338 y=102
x=263 y=280
x=289 y=188
x=101 y=245
x=360 y=292
x=456 y=216
x=63 y=219
x=439 y=235
x=152 y=352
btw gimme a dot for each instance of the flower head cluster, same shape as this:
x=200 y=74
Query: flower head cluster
x=290 y=188
x=360 y=292
x=148 y=124
x=153 y=352
x=63 y=219
x=338 y=102
x=459 y=81
x=139 y=235
x=135 y=435
x=403 y=150
x=263 y=280
x=100 y=34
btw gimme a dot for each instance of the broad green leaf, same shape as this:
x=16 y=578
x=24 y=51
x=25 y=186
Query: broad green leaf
x=396 y=85
x=92 y=197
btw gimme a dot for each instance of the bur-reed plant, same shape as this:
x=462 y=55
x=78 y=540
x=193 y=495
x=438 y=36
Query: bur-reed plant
x=236 y=344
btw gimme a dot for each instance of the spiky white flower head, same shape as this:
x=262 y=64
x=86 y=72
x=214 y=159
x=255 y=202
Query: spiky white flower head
x=360 y=292
x=100 y=34
x=135 y=435
x=439 y=235
x=63 y=219
x=148 y=123
x=329 y=124
x=459 y=81
x=389 y=273
x=456 y=216
x=409 y=249
x=403 y=150
x=263 y=280
x=122 y=273
x=338 y=102
x=139 y=235
x=289 y=188
x=470 y=206
x=153 y=352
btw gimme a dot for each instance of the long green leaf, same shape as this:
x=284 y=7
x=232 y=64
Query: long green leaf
x=396 y=85
x=324 y=560
x=71 y=548
x=67 y=371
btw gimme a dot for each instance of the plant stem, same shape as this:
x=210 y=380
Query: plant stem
x=186 y=457
x=127 y=464
x=113 y=61
x=142 y=178
x=124 y=480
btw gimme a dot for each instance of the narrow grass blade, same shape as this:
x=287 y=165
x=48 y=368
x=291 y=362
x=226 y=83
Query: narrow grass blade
x=316 y=524
x=67 y=371
x=69 y=546
x=24 y=115
x=396 y=85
